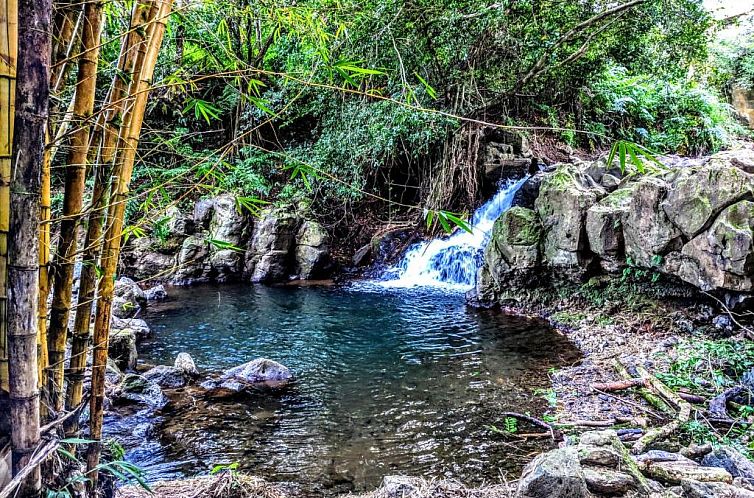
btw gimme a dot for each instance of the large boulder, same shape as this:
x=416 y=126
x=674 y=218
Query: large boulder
x=648 y=232
x=228 y=223
x=128 y=298
x=138 y=326
x=555 y=474
x=268 y=256
x=517 y=234
x=565 y=196
x=144 y=260
x=604 y=228
x=721 y=257
x=312 y=253
x=699 y=194
x=192 y=260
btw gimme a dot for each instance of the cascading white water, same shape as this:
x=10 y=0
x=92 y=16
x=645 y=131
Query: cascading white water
x=452 y=262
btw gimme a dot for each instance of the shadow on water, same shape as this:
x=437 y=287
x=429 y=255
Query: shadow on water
x=388 y=381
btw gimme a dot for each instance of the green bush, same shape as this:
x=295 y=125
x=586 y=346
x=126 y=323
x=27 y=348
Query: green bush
x=668 y=116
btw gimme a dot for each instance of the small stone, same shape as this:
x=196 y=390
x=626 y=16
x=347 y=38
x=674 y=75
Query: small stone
x=166 y=377
x=400 y=486
x=599 y=438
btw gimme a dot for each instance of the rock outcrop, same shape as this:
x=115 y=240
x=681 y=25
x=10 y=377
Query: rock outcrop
x=220 y=242
x=693 y=223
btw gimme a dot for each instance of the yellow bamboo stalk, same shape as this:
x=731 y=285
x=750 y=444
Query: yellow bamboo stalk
x=73 y=200
x=111 y=247
x=114 y=106
x=8 y=55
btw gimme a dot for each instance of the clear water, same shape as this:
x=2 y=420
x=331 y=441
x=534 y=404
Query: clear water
x=452 y=262
x=388 y=381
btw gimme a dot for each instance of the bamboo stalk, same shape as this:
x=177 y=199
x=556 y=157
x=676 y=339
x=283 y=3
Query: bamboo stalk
x=32 y=95
x=87 y=283
x=73 y=200
x=8 y=54
x=111 y=247
x=67 y=25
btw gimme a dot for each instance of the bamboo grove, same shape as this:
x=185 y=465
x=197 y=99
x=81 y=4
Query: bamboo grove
x=40 y=44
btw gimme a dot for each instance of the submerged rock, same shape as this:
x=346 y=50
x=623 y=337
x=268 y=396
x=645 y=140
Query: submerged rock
x=259 y=372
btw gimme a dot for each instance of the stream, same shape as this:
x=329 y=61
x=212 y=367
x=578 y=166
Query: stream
x=391 y=378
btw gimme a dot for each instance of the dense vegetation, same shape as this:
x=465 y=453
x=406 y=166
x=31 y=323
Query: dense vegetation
x=352 y=98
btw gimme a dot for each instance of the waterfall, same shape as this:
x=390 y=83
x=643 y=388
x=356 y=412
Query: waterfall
x=451 y=262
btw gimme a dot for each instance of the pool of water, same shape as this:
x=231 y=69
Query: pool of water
x=387 y=381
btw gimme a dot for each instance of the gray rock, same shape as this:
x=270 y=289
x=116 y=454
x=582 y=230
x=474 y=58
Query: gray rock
x=225 y=265
x=600 y=438
x=604 y=228
x=562 y=206
x=599 y=455
x=135 y=388
x=696 y=489
x=555 y=474
x=607 y=481
x=179 y=225
x=648 y=232
x=259 y=372
x=185 y=363
x=362 y=255
x=227 y=223
x=722 y=257
x=698 y=194
x=731 y=460
x=128 y=298
x=122 y=348
x=517 y=235
x=167 y=377
x=138 y=326
x=400 y=486
x=156 y=293
x=145 y=261
x=312 y=253
x=203 y=210
x=268 y=257
x=192 y=260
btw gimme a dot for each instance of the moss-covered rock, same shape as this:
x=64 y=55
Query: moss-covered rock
x=721 y=257
x=699 y=194
x=564 y=199
x=604 y=228
x=647 y=230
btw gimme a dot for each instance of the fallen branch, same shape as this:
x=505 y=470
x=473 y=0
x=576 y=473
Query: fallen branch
x=619 y=385
x=596 y=423
x=662 y=432
x=647 y=394
x=554 y=433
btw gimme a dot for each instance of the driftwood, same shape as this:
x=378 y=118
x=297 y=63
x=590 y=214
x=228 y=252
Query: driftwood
x=619 y=385
x=683 y=415
x=646 y=393
x=596 y=423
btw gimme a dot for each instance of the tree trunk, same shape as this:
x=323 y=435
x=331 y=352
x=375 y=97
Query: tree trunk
x=111 y=247
x=32 y=94
x=73 y=199
x=8 y=54
x=113 y=111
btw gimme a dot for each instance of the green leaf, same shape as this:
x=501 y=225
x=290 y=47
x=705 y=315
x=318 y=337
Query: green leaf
x=430 y=91
x=222 y=245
